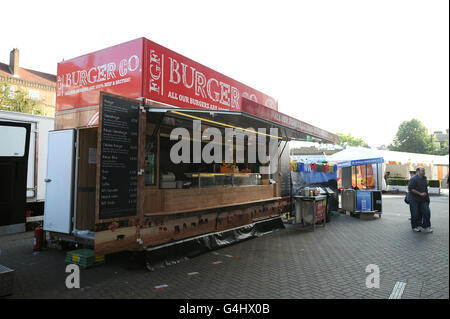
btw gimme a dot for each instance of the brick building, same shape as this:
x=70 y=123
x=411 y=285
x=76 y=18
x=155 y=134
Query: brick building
x=441 y=136
x=39 y=85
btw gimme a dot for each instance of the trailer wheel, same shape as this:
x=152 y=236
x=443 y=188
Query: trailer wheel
x=149 y=267
x=148 y=261
x=66 y=246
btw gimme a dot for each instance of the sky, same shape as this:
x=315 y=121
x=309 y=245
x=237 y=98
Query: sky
x=358 y=67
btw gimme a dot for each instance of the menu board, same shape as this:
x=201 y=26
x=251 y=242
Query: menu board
x=118 y=157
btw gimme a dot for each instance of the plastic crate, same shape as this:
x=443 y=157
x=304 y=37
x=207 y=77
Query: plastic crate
x=6 y=281
x=84 y=258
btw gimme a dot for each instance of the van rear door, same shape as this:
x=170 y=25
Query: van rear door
x=14 y=148
x=60 y=176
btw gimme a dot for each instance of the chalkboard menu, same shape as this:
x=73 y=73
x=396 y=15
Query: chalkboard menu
x=118 y=158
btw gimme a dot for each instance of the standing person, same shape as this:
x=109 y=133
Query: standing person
x=419 y=202
x=386 y=176
x=411 y=175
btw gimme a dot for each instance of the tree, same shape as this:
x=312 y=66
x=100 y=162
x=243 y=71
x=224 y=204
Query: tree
x=17 y=101
x=412 y=136
x=349 y=140
x=432 y=146
x=443 y=148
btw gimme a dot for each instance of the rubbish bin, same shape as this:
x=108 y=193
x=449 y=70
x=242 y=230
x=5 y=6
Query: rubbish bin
x=348 y=200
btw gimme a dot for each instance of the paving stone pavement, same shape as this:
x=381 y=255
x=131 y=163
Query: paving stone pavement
x=292 y=263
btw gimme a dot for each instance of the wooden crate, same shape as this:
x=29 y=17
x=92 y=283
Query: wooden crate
x=366 y=215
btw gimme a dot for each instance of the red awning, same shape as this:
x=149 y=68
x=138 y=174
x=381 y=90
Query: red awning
x=254 y=116
x=258 y=110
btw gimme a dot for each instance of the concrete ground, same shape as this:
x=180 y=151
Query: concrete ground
x=292 y=263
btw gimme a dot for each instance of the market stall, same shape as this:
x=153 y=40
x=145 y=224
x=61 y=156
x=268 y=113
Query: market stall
x=360 y=179
x=136 y=122
x=364 y=195
x=314 y=191
x=310 y=209
x=397 y=166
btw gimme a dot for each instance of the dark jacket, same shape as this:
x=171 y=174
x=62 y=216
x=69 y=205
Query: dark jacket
x=420 y=184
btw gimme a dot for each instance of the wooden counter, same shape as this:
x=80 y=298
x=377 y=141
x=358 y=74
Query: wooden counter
x=211 y=207
x=174 y=201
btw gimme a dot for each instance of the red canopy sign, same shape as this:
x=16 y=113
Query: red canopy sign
x=117 y=70
x=142 y=68
x=266 y=113
x=176 y=80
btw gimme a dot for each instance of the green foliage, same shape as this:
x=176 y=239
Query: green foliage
x=434 y=183
x=397 y=181
x=411 y=137
x=349 y=140
x=432 y=146
x=443 y=149
x=405 y=182
x=17 y=102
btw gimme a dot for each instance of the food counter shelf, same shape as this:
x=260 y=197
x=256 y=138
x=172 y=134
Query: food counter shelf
x=203 y=180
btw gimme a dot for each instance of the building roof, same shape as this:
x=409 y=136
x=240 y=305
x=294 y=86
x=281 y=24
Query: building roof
x=28 y=75
x=440 y=136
